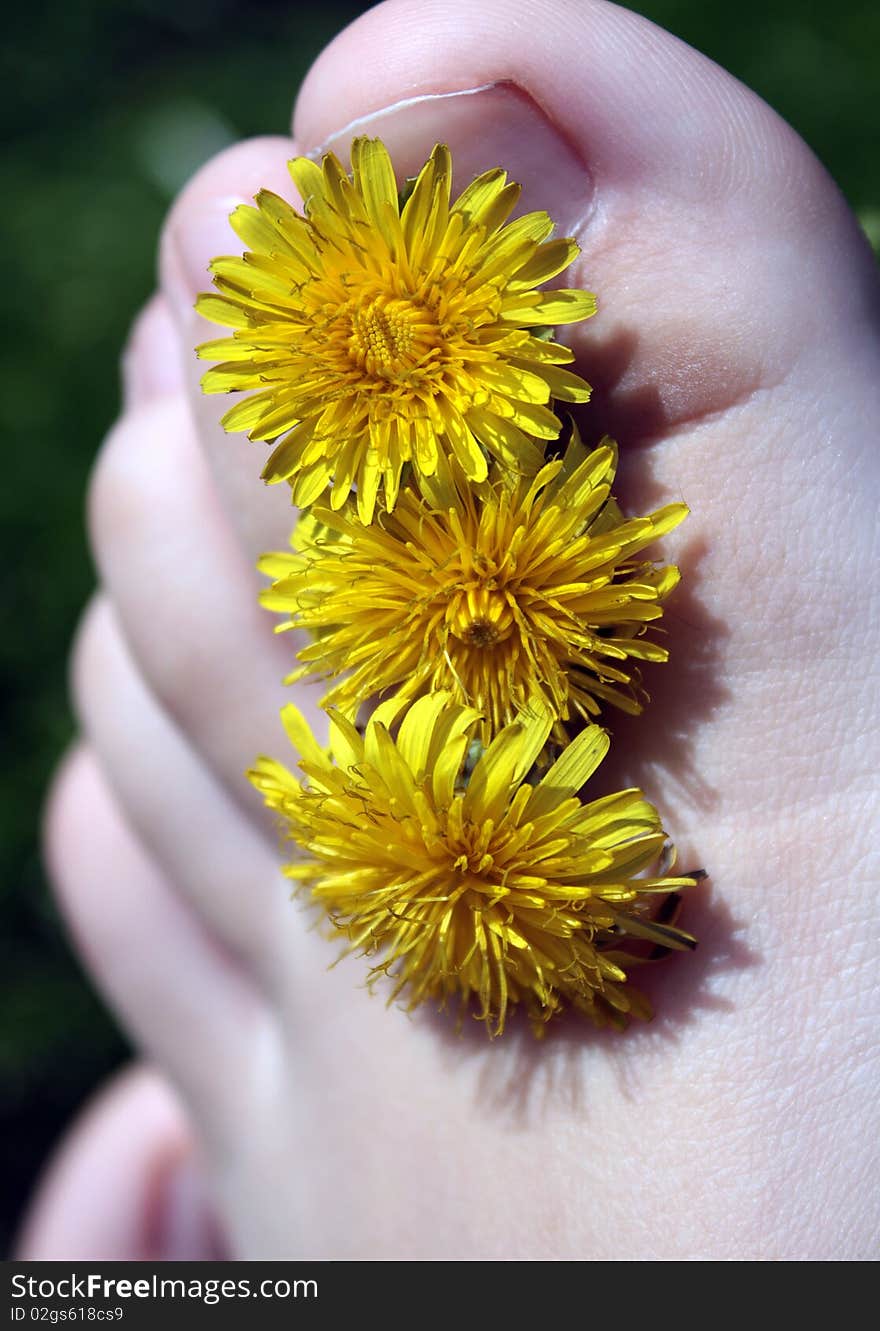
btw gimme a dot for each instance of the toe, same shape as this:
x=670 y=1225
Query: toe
x=197 y=230
x=720 y=250
x=205 y=844
x=174 y=987
x=152 y=366
x=124 y=1184
x=185 y=597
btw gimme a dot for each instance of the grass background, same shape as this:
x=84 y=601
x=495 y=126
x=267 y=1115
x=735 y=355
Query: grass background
x=109 y=106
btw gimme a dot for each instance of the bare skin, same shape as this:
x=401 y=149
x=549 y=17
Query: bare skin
x=126 y=1184
x=736 y=357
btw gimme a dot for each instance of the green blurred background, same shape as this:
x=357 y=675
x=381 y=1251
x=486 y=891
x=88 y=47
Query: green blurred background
x=109 y=106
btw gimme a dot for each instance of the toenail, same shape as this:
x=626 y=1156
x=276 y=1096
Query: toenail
x=485 y=127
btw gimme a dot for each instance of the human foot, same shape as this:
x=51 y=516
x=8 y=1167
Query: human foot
x=333 y=1127
x=124 y=1185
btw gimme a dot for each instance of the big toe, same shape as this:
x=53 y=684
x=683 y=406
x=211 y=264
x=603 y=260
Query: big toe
x=721 y=251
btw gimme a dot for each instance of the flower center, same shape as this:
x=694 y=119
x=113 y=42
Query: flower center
x=390 y=337
x=471 y=852
x=480 y=616
x=481 y=633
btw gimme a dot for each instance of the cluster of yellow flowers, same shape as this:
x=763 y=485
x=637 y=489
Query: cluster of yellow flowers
x=460 y=571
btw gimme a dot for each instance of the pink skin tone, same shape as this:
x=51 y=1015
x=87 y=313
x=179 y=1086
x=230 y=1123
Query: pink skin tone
x=736 y=357
x=125 y=1185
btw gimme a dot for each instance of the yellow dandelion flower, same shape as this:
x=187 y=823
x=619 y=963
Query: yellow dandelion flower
x=377 y=333
x=466 y=879
x=502 y=592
